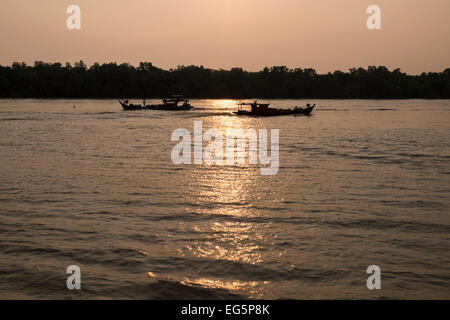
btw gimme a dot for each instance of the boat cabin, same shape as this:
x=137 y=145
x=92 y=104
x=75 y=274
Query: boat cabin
x=174 y=101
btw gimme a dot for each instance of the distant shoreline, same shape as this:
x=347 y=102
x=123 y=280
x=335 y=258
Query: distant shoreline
x=116 y=81
x=250 y=99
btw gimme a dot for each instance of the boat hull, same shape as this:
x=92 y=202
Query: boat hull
x=131 y=107
x=275 y=112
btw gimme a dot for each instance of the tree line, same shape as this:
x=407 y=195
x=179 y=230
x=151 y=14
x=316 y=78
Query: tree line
x=112 y=80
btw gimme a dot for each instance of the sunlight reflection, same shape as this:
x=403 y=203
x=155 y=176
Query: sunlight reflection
x=253 y=288
x=224 y=104
x=226 y=195
x=226 y=192
x=250 y=288
x=230 y=241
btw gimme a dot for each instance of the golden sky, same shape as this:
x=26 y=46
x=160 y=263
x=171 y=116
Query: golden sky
x=326 y=35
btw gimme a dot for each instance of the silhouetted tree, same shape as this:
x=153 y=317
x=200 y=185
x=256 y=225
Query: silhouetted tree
x=110 y=80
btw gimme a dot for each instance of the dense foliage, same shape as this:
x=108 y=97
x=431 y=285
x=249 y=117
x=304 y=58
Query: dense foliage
x=53 y=80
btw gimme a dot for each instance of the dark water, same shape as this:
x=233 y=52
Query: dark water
x=360 y=183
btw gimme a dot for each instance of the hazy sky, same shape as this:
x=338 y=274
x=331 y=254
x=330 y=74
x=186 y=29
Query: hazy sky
x=326 y=35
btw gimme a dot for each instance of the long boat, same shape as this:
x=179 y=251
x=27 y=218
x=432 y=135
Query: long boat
x=263 y=110
x=172 y=104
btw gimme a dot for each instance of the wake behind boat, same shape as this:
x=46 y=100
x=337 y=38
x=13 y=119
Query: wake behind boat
x=263 y=110
x=175 y=103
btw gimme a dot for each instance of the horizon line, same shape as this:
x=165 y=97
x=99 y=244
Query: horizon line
x=136 y=66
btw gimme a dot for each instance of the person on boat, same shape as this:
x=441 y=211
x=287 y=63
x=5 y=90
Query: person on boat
x=144 y=103
x=254 y=105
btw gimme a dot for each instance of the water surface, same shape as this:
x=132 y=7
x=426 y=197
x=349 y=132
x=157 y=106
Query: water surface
x=361 y=182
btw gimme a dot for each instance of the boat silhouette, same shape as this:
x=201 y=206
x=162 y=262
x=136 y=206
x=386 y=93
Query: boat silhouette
x=263 y=110
x=175 y=103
